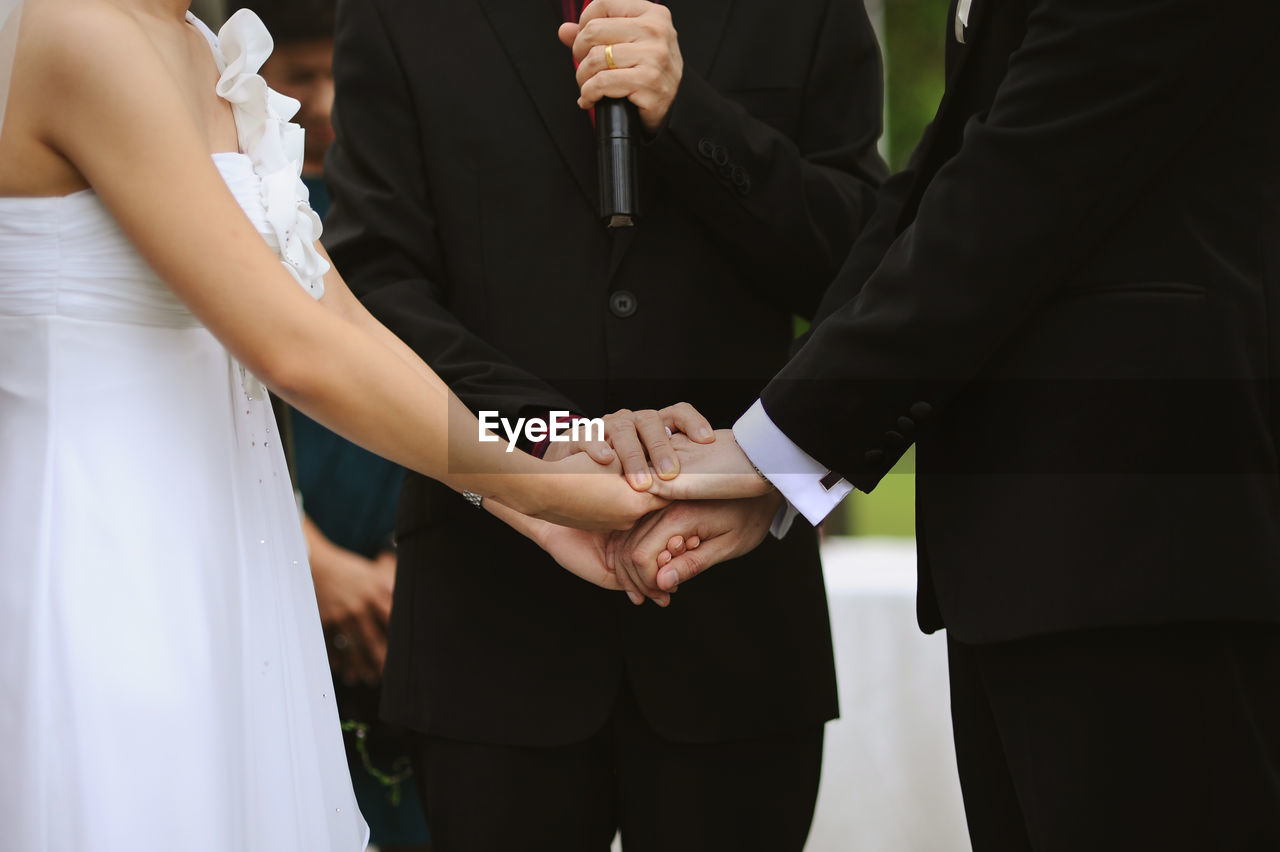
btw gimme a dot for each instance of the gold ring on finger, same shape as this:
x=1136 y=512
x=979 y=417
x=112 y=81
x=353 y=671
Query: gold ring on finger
x=608 y=57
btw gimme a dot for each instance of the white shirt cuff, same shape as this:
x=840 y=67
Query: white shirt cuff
x=791 y=470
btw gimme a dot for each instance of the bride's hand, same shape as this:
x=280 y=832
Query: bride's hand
x=585 y=554
x=714 y=471
x=580 y=492
x=579 y=552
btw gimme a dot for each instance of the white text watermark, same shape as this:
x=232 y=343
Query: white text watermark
x=560 y=426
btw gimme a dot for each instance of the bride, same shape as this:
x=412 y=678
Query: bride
x=163 y=679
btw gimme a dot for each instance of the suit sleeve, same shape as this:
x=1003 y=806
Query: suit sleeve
x=381 y=230
x=1098 y=101
x=789 y=209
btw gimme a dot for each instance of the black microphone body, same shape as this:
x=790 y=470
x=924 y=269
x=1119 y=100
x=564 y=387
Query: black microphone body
x=616 y=119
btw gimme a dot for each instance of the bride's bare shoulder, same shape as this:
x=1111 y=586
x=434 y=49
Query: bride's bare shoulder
x=86 y=67
x=72 y=41
x=74 y=59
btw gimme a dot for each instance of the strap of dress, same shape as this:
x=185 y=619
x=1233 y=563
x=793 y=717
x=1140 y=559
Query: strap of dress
x=211 y=38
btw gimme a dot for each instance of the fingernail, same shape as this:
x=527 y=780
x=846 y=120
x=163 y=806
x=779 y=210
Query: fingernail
x=636 y=598
x=705 y=432
x=667 y=578
x=607 y=452
x=663 y=558
x=639 y=480
x=668 y=467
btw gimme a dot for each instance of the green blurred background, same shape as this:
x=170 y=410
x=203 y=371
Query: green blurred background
x=913 y=34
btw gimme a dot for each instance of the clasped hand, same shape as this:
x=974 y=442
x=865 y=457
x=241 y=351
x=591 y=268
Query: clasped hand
x=720 y=506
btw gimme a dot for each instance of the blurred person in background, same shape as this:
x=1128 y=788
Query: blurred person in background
x=349 y=495
x=465 y=212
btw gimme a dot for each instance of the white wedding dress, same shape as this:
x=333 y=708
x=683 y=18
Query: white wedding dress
x=163 y=677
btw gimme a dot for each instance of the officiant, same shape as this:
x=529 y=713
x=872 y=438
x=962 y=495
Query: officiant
x=466 y=216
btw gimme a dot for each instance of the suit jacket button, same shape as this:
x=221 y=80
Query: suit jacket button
x=706 y=148
x=894 y=439
x=921 y=411
x=906 y=425
x=720 y=155
x=744 y=188
x=623 y=303
x=874 y=457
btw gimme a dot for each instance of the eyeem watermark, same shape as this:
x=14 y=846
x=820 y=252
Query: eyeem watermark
x=536 y=429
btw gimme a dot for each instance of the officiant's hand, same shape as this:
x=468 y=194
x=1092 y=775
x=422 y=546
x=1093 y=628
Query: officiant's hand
x=676 y=544
x=641 y=440
x=712 y=471
x=647 y=66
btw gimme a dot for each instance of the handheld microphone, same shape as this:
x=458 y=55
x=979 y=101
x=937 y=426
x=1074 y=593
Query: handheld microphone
x=616 y=161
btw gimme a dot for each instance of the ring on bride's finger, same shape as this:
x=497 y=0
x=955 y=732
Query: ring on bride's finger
x=608 y=57
x=341 y=642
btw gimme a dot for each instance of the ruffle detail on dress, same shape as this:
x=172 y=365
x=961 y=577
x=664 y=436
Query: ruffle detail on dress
x=273 y=143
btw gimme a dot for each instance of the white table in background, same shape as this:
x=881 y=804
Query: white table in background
x=889 y=770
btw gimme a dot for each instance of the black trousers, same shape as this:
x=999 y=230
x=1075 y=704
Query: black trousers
x=665 y=796
x=1128 y=739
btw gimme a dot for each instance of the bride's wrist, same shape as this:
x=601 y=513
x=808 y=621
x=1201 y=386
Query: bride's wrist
x=528 y=491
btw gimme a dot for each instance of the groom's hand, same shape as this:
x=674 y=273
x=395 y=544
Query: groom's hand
x=656 y=556
x=717 y=470
x=641 y=439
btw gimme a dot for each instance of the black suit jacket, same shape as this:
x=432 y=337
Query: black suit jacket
x=465 y=219
x=1069 y=302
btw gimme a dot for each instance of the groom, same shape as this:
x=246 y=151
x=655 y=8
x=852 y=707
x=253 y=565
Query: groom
x=1070 y=303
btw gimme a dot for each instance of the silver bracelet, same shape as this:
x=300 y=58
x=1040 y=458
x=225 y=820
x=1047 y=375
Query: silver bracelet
x=473 y=498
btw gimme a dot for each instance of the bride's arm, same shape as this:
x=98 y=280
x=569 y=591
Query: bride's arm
x=580 y=552
x=112 y=110
x=339 y=298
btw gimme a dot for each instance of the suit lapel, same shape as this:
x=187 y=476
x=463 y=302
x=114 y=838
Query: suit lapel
x=700 y=24
x=527 y=31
